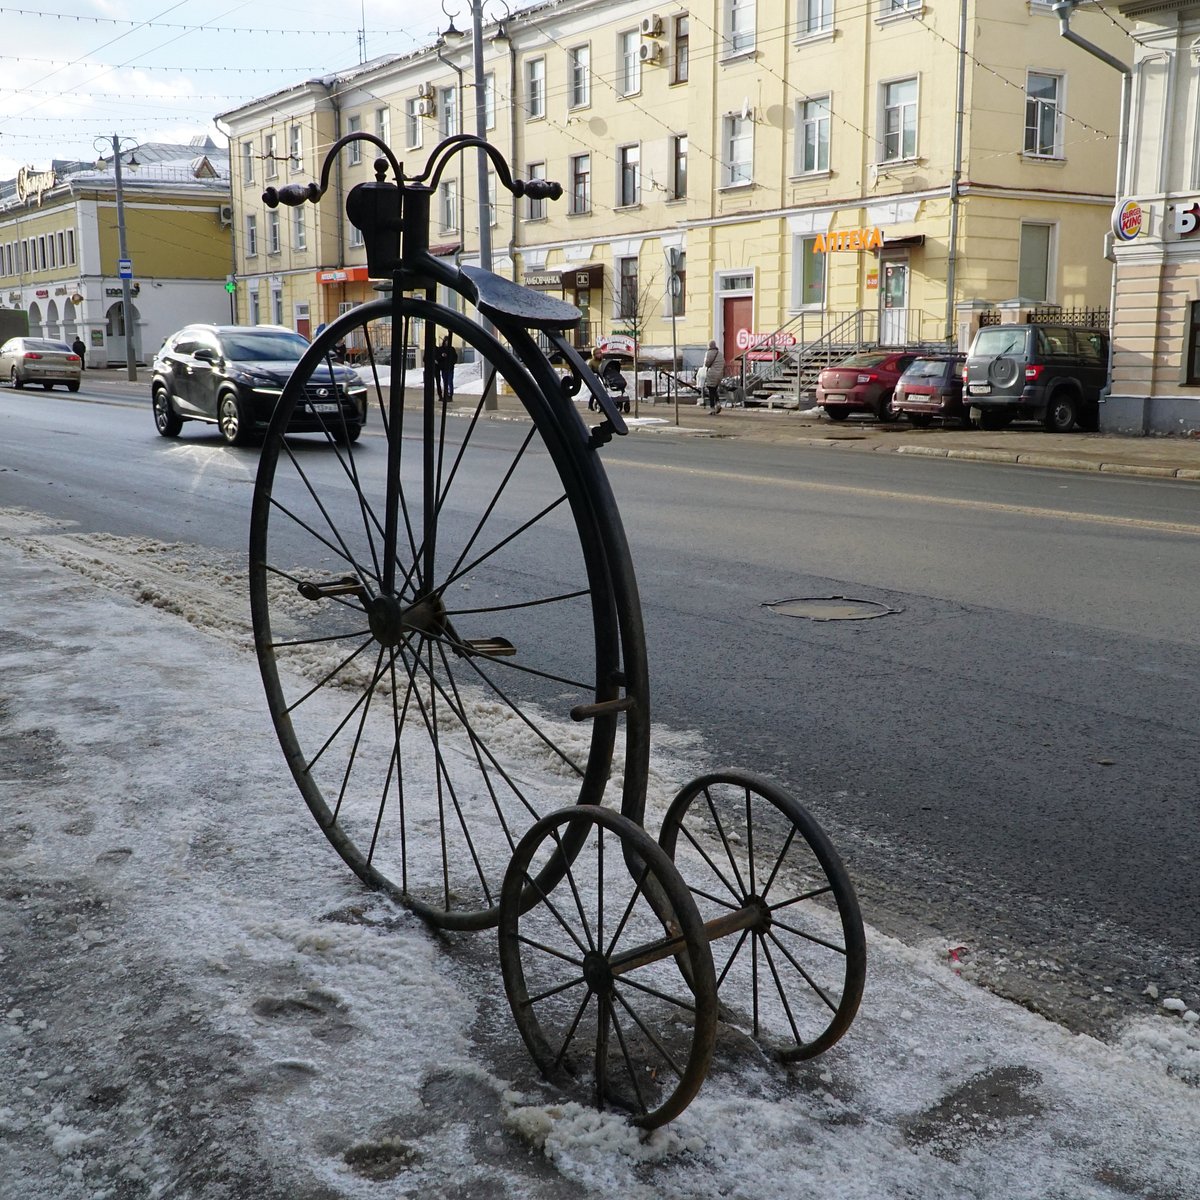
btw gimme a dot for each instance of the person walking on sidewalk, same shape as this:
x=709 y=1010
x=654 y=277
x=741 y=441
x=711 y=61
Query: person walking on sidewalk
x=79 y=348
x=714 y=372
x=445 y=360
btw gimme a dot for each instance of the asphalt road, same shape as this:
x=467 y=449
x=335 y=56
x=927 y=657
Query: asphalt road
x=1006 y=758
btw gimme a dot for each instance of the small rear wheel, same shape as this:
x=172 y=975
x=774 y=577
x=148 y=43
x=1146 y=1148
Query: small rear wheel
x=885 y=411
x=793 y=975
x=48 y=386
x=837 y=412
x=609 y=973
x=73 y=386
x=1062 y=411
x=166 y=420
x=15 y=379
x=919 y=420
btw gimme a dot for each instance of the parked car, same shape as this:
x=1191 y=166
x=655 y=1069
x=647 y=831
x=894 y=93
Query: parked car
x=931 y=389
x=40 y=360
x=863 y=383
x=1048 y=373
x=232 y=376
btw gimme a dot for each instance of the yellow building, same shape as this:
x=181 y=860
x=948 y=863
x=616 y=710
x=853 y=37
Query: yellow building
x=875 y=170
x=60 y=246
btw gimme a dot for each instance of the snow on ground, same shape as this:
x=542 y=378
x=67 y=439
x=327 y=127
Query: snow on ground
x=197 y=998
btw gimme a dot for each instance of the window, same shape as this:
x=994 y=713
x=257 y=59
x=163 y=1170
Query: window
x=535 y=87
x=811 y=282
x=629 y=183
x=273 y=231
x=255 y=307
x=812 y=127
x=1192 y=366
x=412 y=122
x=356 y=236
x=354 y=150
x=627 y=296
x=448 y=205
x=42 y=252
x=247 y=162
x=1043 y=119
x=580 y=76
x=581 y=183
x=489 y=100
x=491 y=196
x=272 y=170
x=50 y=247
x=897 y=6
x=299 y=230
x=383 y=124
x=251 y=235
x=447 y=112
x=816 y=16
x=679 y=164
x=738 y=151
x=277 y=306
x=296 y=147
x=899 y=120
x=629 y=62
x=1033 y=272
x=739 y=26
x=679 y=64
x=537 y=206
x=71 y=246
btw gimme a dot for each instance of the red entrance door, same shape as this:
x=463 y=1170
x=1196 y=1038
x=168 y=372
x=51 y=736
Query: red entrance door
x=737 y=312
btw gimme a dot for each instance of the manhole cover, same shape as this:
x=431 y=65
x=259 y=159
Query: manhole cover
x=830 y=608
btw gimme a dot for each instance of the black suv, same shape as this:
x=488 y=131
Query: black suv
x=232 y=376
x=1048 y=373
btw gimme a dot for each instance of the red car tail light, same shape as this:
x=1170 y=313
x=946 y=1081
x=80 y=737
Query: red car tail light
x=869 y=378
x=30 y=354
x=73 y=358
x=1033 y=371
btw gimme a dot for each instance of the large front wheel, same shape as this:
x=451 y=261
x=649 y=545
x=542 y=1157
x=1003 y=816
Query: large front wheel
x=444 y=612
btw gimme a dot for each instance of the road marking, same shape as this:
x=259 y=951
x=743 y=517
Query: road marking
x=1019 y=510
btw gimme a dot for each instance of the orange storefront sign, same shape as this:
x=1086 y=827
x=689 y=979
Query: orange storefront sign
x=343 y=275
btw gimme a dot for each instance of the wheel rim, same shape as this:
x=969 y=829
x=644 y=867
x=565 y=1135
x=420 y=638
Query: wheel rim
x=160 y=410
x=417 y=691
x=611 y=1002
x=229 y=421
x=796 y=977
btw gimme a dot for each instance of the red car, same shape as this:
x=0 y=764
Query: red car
x=933 y=387
x=863 y=383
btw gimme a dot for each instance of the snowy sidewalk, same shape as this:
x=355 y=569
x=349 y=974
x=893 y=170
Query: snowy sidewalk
x=201 y=1001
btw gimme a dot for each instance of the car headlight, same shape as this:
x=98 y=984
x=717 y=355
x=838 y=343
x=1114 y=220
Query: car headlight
x=253 y=378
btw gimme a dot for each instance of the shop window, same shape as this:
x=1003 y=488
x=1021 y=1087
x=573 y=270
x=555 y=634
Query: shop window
x=1193 y=349
x=809 y=265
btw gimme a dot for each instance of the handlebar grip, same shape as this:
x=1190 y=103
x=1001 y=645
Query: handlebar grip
x=543 y=189
x=292 y=194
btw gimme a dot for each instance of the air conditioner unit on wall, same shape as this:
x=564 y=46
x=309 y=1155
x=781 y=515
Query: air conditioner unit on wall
x=652 y=26
x=426 y=107
x=650 y=52
x=425 y=91
x=226 y=214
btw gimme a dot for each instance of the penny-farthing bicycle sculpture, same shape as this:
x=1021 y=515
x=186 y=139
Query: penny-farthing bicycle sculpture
x=448 y=628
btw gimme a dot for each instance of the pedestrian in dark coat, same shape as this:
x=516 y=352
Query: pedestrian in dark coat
x=445 y=360
x=77 y=347
x=714 y=372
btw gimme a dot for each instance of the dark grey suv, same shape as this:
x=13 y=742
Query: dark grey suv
x=1048 y=373
x=232 y=376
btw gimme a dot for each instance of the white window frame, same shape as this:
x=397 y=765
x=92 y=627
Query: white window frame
x=251 y=235
x=1037 y=108
x=536 y=210
x=737 y=137
x=277 y=306
x=383 y=124
x=629 y=62
x=738 y=22
x=247 y=162
x=900 y=109
x=489 y=100
x=535 y=88
x=801 y=257
x=274 y=239
x=678 y=166
x=579 y=76
x=629 y=175
x=255 y=306
x=623 y=293
x=1051 y=263
x=448 y=117
x=354 y=150
x=296 y=147
x=448 y=205
x=413 y=129
x=356 y=236
x=271 y=170
x=681 y=45
x=815 y=18
x=299 y=230
x=813 y=128
x=572 y=191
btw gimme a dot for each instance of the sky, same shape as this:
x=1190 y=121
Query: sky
x=75 y=71
x=198 y=999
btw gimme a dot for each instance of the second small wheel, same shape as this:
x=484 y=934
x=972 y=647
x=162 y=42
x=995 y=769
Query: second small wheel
x=793 y=966
x=609 y=975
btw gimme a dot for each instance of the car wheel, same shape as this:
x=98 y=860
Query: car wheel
x=73 y=386
x=231 y=419
x=965 y=421
x=15 y=379
x=920 y=420
x=48 y=386
x=991 y=420
x=885 y=411
x=1062 y=411
x=836 y=412
x=166 y=420
x=351 y=434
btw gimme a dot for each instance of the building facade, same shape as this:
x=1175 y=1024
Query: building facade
x=1156 y=228
x=60 y=247
x=892 y=167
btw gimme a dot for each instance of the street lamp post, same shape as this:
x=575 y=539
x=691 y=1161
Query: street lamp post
x=123 y=254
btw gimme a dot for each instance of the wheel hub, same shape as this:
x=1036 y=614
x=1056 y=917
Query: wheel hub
x=391 y=620
x=596 y=973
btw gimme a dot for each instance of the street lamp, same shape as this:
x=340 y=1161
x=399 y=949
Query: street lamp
x=124 y=266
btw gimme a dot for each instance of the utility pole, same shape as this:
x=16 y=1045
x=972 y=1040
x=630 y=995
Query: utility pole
x=125 y=265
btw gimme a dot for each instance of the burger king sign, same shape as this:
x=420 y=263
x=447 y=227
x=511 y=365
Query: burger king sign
x=1128 y=220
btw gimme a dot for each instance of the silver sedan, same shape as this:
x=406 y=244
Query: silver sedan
x=40 y=360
